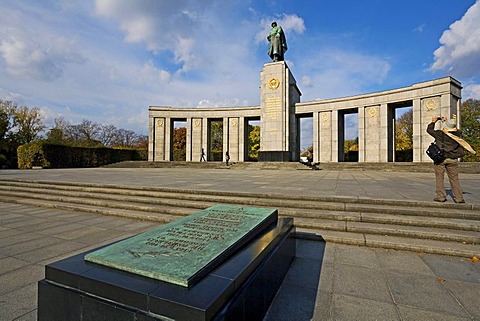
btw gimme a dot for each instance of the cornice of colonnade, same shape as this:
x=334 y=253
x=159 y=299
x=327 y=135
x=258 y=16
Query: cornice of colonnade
x=245 y=111
x=440 y=86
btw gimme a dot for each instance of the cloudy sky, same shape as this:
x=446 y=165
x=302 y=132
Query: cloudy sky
x=108 y=60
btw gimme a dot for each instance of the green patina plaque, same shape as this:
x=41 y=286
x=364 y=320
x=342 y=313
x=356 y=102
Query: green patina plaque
x=184 y=251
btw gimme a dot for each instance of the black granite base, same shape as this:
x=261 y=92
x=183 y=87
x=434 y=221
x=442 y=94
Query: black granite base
x=274 y=156
x=242 y=288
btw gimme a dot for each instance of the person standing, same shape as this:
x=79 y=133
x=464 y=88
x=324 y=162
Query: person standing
x=227 y=157
x=452 y=151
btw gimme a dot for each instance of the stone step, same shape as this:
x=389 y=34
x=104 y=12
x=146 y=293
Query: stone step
x=357 y=228
x=444 y=234
x=182 y=207
x=393 y=242
x=418 y=208
x=159 y=217
x=366 y=222
x=464 y=167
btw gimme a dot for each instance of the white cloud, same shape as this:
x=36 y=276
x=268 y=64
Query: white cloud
x=151 y=74
x=290 y=23
x=109 y=62
x=41 y=58
x=471 y=91
x=420 y=28
x=336 y=73
x=459 y=52
x=306 y=82
x=161 y=25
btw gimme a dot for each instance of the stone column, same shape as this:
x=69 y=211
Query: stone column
x=204 y=137
x=151 y=138
x=363 y=139
x=316 y=137
x=325 y=139
x=241 y=139
x=168 y=138
x=233 y=139
x=429 y=107
x=334 y=136
x=197 y=131
x=188 y=138
x=384 y=137
x=159 y=138
x=279 y=94
x=372 y=133
x=417 y=131
x=226 y=137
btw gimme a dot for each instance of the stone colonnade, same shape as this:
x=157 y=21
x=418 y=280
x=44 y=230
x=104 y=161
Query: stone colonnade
x=235 y=122
x=376 y=116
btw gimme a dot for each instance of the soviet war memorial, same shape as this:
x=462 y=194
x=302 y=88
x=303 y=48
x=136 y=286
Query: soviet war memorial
x=222 y=218
x=280 y=112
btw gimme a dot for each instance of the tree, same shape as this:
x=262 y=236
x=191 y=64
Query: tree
x=179 y=144
x=28 y=124
x=404 y=132
x=108 y=135
x=470 y=121
x=253 y=142
x=7 y=109
x=89 y=130
x=7 y=148
x=216 y=140
x=125 y=138
x=18 y=125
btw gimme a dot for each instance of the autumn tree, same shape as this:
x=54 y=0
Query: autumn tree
x=91 y=134
x=216 y=140
x=179 y=144
x=108 y=135
x=350 y=150
x=253 y=142
x=7 y=147
x=28 y=124
x=470 y=121
x=125 y=138
x=404 y=131
x=7 y=109
x=404 y=137
x=18 y=125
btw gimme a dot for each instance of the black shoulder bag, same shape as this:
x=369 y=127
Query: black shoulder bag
x=435 y=153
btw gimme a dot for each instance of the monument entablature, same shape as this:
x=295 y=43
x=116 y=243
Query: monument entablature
x=280 y=112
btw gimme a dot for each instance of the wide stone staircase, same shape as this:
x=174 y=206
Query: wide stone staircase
x=449 y=229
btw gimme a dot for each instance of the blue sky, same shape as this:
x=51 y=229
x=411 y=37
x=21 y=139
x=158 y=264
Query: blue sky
x=108 y=60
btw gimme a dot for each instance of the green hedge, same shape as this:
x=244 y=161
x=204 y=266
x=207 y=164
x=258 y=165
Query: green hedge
x=60 y=156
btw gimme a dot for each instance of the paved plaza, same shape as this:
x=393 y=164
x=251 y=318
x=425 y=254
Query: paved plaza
x=326 y=281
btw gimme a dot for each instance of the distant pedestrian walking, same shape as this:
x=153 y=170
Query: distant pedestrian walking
x=202 y=158
x=227 y=157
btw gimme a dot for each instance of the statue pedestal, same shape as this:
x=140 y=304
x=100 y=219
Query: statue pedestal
x=279 y=94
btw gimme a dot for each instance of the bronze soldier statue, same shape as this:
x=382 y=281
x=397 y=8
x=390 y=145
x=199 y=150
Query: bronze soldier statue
x=278 y=43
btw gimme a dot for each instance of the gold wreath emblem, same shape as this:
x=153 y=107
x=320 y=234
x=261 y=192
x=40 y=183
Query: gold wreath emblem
x=430 y=104
x=372 y=112
x=160 y=122
x=273 y=83
x=325 y=117
x=234 y=122
x=196 y=123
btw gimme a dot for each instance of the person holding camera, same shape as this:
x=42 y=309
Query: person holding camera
x=452 y=151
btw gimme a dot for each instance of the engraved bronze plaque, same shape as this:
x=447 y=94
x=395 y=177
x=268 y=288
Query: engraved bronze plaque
x=184 y=251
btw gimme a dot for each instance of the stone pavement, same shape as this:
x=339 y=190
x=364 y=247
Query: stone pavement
x=326 y=282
